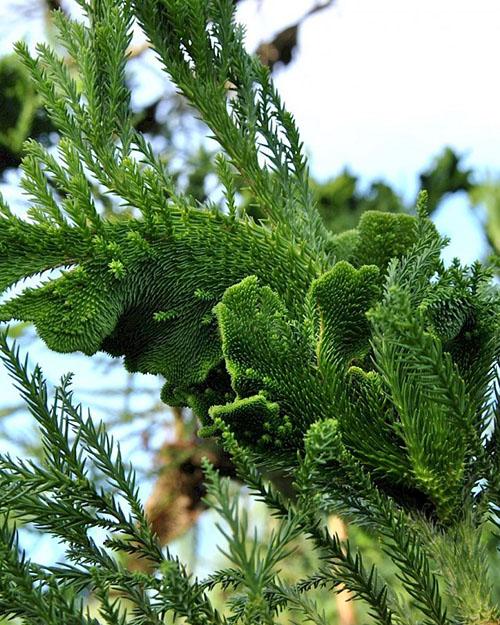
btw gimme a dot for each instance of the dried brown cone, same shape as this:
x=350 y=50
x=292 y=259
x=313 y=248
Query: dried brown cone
x=176 y=500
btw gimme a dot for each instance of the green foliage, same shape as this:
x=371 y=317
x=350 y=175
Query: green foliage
x=341 y=298
x=488 y=195
x=85 y=495
x=342 y=204
x=326 y=455
x=17 y=102
x=22 y=115
x=354 y=361
x=64 y=497
x=445 y=175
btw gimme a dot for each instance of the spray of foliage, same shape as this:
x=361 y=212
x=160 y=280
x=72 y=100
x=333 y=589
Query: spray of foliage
x=355 y=362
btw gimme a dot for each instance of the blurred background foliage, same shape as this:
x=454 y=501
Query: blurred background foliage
x=163 y=442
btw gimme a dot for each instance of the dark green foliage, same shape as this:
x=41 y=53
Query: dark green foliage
x=327 y=457
x=18 y=104
x=145 y=294
x=264 y=351
x=341 y=298
x=163 y=289
x=378 y=238
x=342 y=204
x=355 y=361
x=445 y=175
x=22 y=115
x=381 y=448
x=146 y=289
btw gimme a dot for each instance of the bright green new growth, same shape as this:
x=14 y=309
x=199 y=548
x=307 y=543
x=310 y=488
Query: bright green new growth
x=268 y=330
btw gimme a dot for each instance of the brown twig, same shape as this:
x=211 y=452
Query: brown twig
x=280 y=49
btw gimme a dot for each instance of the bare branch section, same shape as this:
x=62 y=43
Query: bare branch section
x=282 y=47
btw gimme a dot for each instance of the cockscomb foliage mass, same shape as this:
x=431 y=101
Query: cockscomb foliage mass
x=356 y=362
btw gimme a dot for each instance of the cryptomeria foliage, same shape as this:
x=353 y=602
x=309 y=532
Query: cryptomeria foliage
x=356 y=363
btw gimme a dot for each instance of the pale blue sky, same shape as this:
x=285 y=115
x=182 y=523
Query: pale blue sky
x=381 y=86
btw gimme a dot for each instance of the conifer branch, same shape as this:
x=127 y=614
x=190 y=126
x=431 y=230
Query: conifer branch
x=357 y=364
x=328 y=463
x=347 y=568
x=62 y=497
x=202 y=49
